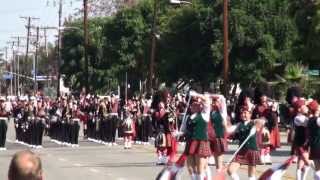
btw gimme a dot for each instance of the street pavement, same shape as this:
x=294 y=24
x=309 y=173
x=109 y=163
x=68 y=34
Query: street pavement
x=92 y=161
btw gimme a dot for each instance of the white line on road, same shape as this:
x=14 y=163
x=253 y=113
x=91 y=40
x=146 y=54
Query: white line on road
x=10 y=141
x=62 y=159
x=93 y=170
x=121 y=178
x=77 y=164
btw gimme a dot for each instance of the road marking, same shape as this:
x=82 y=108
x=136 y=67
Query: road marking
x=10 y=141
x=62 y=159
x=121 y=178
x=93 y=170
x=77 y=164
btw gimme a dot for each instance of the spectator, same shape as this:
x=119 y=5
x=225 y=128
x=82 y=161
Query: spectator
x=25 y=165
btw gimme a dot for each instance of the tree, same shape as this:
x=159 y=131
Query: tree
x=262 y=34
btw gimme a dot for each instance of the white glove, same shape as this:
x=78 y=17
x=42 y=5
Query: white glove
x=177 y=133
x=193 y=93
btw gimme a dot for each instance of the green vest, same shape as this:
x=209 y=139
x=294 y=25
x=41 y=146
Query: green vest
x=243 y=132
x=314 y=136
x=200 y=128
x=217 y=124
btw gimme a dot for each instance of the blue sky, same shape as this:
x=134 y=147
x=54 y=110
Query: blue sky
x=13 y=25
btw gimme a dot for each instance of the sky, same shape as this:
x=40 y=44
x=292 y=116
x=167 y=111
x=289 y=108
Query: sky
x=46 y=10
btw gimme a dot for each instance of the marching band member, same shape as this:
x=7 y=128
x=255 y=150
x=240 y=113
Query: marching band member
x=314 y=136
x=269 y=137
x=218 y=120
x=3 y=124
x=128 y=129
x=197 y=147
x=249 y=154
x=114 y=117
x=146 y=121
x=300 y=141
x=75 y=125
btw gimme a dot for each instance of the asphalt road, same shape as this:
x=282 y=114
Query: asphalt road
x=99 y=162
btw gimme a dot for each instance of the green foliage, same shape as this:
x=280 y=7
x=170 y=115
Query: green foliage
x=263 y=34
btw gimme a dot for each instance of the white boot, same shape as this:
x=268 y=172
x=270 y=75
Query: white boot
x=208 y=173
x=235 y=176
x=305 y=172
x=263 y=159
x=299 y=174
x=202 y=177
x=317 y=175
x=267 y=159
x=193 y=177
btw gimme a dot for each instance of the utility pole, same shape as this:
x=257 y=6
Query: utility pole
x=6 y=51
x=225 y=47
x=35 y=84
x=86 y=43
x=153 y=46
x=58 y=49
x=29 y=19
x=13 y=66
x=17 y=63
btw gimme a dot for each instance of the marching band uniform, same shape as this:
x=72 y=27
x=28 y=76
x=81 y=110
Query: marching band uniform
x=269 y=137
x=299 y=144
x=164 y=133
x=3 y=125
x=249 y=153
x=40 y=122
x=146 y=121
x=128 y=130
x=114 y=117
x=197 y=146
x=218 y=122
x=314 y=136
x=75 y=125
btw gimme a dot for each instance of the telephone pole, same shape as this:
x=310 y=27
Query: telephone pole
x=153 y=46
x=86 y=43
x=17 y=62
x=35 y=84
x=13 y=68
x=28 y=26
x=58 y=49
x=225 y=48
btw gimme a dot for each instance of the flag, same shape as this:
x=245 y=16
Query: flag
x=275 y=173
x=171 y=172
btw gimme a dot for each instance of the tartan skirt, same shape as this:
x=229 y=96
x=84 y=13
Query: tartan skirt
x=248 y=157
x=218 y=146
x=198 y=147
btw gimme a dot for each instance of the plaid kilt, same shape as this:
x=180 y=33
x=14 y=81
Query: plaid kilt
x=248 y=157
x=198 y=147
x=314 y=153
x=218 y=146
